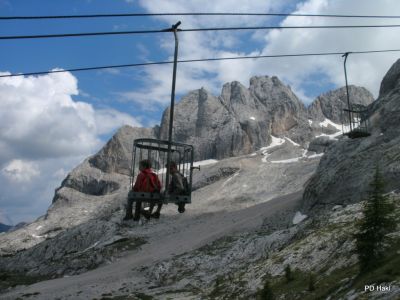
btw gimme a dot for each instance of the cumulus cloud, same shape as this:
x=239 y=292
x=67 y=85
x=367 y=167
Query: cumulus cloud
x=157 y=79
x=39 y=119
x=308 y=76
x=365 y=70
x=21 y=171
x=44 y=132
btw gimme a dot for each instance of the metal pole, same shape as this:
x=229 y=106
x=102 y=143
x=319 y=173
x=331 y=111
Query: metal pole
x=174 y=29
x=347 y=89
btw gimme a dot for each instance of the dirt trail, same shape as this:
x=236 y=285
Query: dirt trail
x=173 y=235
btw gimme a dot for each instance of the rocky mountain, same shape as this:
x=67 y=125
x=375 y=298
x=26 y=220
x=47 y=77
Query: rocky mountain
x=240 y=120
x=116 y=155
x=249 y=217
x=344 y=173
x=331 y=104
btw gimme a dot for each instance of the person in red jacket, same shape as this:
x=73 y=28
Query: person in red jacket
x=146 y=181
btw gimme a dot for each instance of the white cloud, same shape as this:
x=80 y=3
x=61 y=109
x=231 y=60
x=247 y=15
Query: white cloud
x=20 y=171
x=44 y=133
x=365 y=70
x=109 y=119
x=190 y=76
x=306 y=75
x=39 y=119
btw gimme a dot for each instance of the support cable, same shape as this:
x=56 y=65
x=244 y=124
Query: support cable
x=195 y=60
x=65 y=35
x=196 y=14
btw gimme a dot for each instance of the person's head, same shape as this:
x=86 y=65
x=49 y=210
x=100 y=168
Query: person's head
x=144 y=164
x=172 y=166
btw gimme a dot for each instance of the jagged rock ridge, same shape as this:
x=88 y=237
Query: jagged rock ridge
x=239 y=121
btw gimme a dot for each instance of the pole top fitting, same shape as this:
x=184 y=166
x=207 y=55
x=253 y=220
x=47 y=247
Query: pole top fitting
x=174 y=27
x=346 y=54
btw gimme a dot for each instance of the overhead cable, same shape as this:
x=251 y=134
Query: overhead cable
x=196 y=60
x=195 y=14
x=63 y=35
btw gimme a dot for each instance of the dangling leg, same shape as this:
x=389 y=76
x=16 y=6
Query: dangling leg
x=152 y=204
x=138 y=207
x=181 y=207
x=147 y=213
x=156 y=214
x=128 y=208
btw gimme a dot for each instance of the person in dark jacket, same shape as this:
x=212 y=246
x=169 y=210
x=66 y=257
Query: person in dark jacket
x=146 y=181
x=177 y=186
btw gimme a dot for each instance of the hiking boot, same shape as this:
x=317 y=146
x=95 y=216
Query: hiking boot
x=146 y=214
x=181 y=208
x=155 y=215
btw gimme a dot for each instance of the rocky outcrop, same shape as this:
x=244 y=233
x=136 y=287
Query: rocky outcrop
x=239 y=121
x=116 y=155
x=320 y=144
x=89 y=180
x=331 y=104
x=346 y=170
x=391 y=81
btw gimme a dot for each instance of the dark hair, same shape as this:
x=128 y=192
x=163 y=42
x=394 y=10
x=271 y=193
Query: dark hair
x=172 y=164
x=145 y=164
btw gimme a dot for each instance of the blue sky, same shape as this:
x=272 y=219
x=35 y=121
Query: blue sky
x=49 y=124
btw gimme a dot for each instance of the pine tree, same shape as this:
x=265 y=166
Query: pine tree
x=376 y=223
x=311 y=282
x=266 y=293
x=288 y=274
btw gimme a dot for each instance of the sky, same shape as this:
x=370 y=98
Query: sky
x=51 y=123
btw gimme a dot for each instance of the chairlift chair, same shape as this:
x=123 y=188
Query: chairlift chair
x=357 y=123
x=161 y=152
x=157 y=152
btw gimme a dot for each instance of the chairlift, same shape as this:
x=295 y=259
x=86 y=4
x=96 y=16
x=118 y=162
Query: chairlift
x=355 y=121
x=157 y=152
x=161 y=153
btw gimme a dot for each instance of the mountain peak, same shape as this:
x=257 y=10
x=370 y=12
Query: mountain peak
x=330 y=105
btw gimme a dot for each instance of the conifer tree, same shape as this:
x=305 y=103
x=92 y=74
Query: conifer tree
x=378 y=221
x=311 y=282
x=288 y=274
x=266 y=293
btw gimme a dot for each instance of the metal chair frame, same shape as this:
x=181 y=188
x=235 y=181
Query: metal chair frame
x=157 y=151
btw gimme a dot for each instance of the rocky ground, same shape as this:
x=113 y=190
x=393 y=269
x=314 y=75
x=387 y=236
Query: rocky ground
x=226 y=244
x=232 y=256
x=95 y=236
